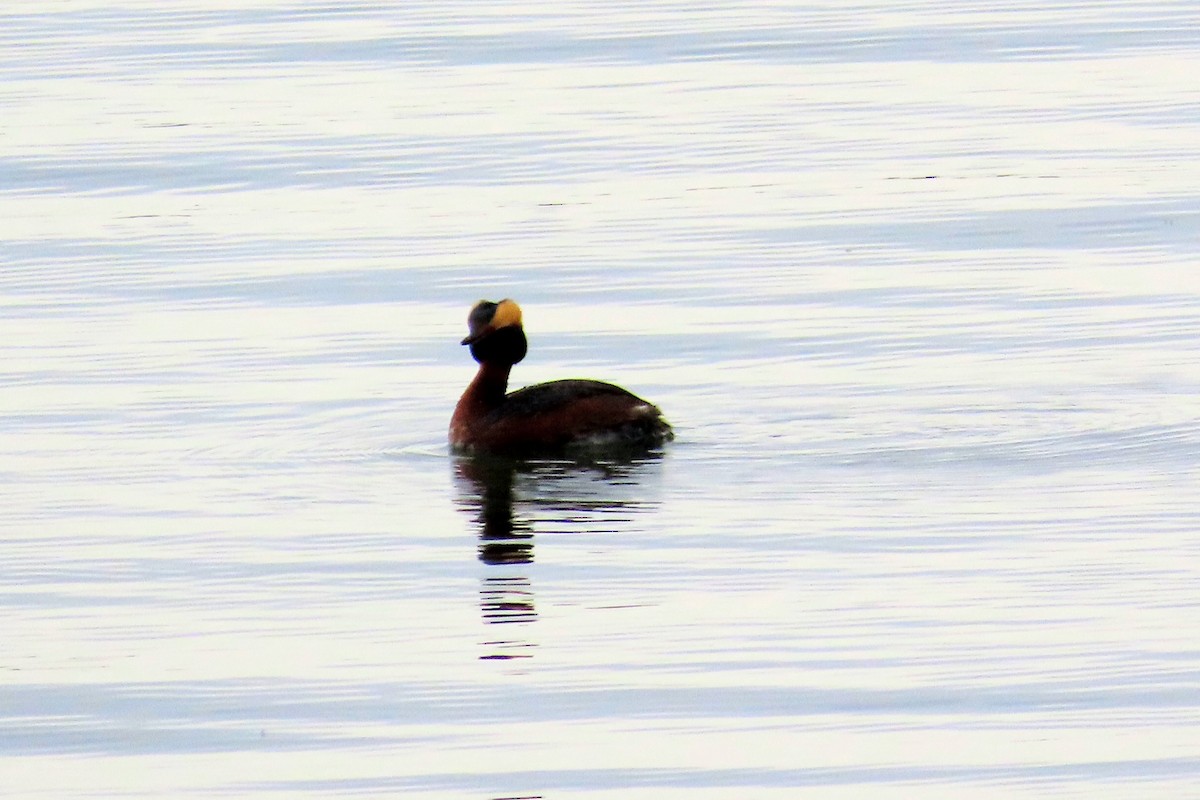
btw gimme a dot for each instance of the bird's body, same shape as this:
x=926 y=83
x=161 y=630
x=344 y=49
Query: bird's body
x=553 y=417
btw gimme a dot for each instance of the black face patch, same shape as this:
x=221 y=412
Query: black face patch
x=504 y=346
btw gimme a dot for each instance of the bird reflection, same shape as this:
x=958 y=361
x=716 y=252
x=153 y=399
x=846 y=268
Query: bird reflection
x=485 y=486
x=509 y=498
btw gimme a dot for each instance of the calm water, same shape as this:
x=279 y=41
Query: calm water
x=918 y=287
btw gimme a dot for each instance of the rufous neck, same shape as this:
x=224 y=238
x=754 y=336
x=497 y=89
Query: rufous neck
x=490 y=384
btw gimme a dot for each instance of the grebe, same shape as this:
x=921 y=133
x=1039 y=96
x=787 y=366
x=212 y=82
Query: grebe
x=550 y=417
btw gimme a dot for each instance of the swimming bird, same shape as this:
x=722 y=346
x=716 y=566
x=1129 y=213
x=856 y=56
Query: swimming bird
x=555 y=417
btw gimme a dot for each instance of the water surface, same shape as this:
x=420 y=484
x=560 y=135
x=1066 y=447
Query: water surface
x=916 y=287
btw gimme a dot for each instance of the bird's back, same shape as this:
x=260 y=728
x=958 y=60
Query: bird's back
x=572 y=413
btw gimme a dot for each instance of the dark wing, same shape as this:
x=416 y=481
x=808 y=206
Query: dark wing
x=573 y=412
x=544 y=398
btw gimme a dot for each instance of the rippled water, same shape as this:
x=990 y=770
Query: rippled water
x=916 y=285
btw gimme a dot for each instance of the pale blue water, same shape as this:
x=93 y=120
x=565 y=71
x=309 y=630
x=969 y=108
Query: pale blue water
x=917 y=286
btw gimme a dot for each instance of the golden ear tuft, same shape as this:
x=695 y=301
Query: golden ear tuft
x=508 y=313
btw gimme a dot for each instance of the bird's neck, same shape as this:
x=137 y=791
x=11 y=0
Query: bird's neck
x=486 y=391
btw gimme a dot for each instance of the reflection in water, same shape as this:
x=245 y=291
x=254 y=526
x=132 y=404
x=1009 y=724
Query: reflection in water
x=505 y=600
x=486 y=487
x=508 y=498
